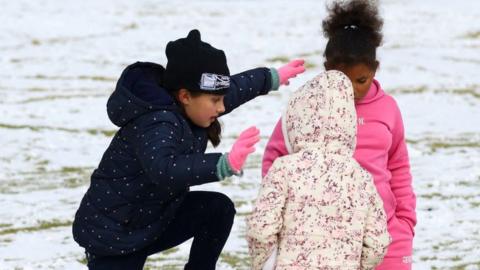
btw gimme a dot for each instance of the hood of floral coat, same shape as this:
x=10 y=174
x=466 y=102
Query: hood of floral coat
x=321 y=116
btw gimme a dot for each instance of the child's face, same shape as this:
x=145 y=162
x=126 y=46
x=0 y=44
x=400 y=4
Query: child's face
x=361 y=76
x=203 y=109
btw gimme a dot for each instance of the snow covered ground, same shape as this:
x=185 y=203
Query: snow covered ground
x=60 y=59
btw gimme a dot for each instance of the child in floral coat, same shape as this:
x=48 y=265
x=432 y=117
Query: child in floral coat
x=317 y=206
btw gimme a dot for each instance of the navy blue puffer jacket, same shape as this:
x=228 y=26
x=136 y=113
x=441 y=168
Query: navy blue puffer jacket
x=151 y=162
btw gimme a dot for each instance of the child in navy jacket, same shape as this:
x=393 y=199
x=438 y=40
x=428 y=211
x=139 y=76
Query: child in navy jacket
x=139 y=202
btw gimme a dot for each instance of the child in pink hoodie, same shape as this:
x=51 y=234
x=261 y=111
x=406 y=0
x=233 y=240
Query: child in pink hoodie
x=353 y=30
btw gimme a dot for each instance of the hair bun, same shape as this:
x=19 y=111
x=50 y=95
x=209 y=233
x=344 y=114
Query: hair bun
x=351 y=15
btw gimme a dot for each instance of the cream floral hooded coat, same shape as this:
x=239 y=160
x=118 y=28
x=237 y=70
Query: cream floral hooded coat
x=317 y=205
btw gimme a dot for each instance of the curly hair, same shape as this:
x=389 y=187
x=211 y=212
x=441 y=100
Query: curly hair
x=354 y=31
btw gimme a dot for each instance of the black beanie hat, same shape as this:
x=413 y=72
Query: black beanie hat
x=196 y=66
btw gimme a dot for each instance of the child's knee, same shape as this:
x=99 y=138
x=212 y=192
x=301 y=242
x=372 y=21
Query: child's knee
x=223 y=205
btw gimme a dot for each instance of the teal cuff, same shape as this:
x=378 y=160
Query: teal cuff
x=223 y=168
x=275 y=79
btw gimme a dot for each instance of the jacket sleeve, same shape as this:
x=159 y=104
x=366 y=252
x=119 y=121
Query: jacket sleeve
x=275 y=148
x=158 y=141
x=246 y=86
x=266 y=220
x=401 y=181
x=376 y=238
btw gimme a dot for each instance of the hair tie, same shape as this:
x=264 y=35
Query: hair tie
x=351 y=26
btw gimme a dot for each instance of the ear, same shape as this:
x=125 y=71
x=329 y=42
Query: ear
x=327 y=66
x=377 y=65
x=184 y=96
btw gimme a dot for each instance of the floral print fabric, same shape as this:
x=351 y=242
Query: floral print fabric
x=317 y=206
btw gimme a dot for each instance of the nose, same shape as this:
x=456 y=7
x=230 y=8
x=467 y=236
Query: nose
x=221 y=107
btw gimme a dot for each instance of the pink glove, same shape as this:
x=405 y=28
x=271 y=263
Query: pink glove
x=242 y=147
x=290 y=70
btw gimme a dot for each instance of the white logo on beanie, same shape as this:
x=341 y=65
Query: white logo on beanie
x=212 y=82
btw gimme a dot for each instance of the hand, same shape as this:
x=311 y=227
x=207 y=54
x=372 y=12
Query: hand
x=243 y=146
x=290 y=70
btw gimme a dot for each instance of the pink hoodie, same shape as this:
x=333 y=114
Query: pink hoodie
x=382 y=151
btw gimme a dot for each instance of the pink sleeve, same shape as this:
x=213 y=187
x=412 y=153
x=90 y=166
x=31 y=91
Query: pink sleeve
x=401 y=181
x=275 y=148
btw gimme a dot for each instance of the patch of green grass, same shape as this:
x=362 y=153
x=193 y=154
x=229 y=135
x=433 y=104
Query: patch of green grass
x=248 y=186
x=396 y=46
x=44 y=77
x=473 y=183
x=164 y=267
x=467 y=91
x=40 y=76
x=308 y=54
x=228 y=181
x=160 y=257
x=72 y=169
x=37 y=89
x=456 y=258
x=472 y=35
x=166 y=260
x=475 y=204
x=43 y=225
x=74 y=182
x=170 y=251
x=463 y=141
x=82 y=77
x=97 y=78
x=434 y=146
x=57 y=97
x=107 y=133
x=310 y=65
x=417 y=90
x=470 y=91
x=283 y=59
x=65 y=177
x=447 y=243
x=239 y=204
x=130 y=26
x=238 y=260
x=43 y=162
x=431 y=195
x=243 y=214
x=471 y=265
x=449 y=197
x=428 y=258
x=215 y=14
x=6 y=240
x=82 y=261
x=9 y=126
x=462 y=60
x=254 y=161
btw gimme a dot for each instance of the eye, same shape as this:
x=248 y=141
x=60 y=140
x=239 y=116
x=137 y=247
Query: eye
x=362 y=80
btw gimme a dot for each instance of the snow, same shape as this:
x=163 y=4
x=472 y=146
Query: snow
x=60 y=61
